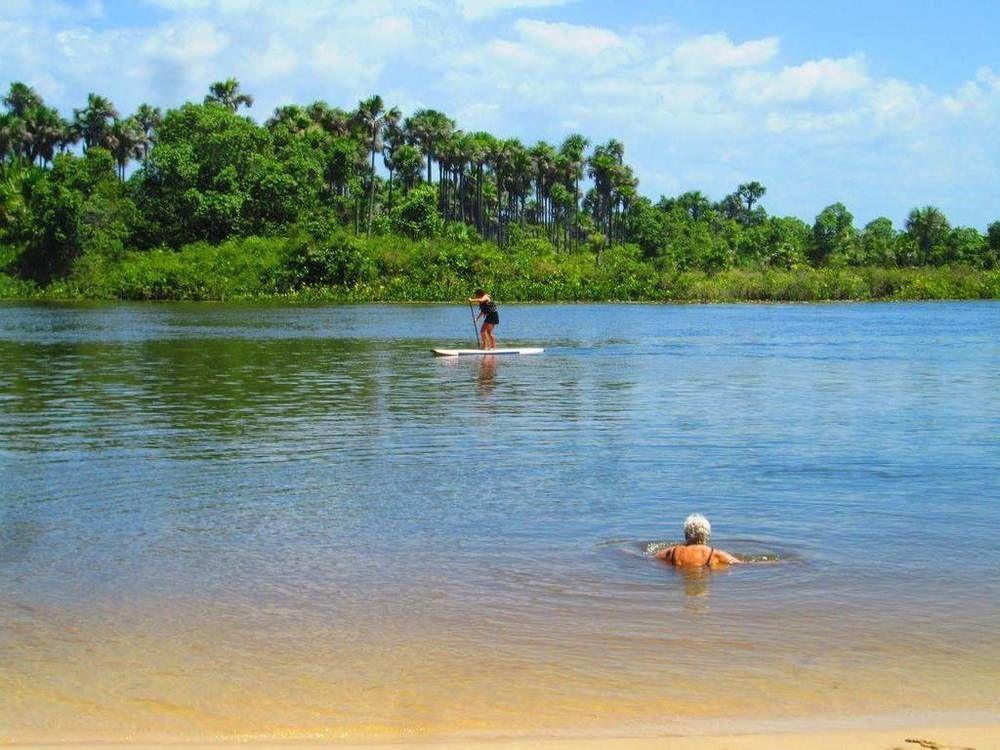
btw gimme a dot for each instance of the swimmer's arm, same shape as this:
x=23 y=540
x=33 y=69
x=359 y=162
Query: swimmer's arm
x=667 y=553
x=727 y=558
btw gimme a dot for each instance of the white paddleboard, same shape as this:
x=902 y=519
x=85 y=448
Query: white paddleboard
x=483 y=352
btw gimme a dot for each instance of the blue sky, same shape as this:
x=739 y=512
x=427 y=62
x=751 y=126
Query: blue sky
x=883 y=105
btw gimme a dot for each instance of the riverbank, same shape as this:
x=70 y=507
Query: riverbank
x=390 y=269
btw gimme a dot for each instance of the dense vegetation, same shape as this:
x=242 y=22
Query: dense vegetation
x=201 y=202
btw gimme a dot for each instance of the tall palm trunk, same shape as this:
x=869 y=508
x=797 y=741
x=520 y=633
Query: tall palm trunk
x=371 y=190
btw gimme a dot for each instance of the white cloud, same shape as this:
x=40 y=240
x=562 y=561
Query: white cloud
x=277 y=59
x=505 y=52
x=718 y=51
x=896 y=104
x=567 y=39
x=478 y=10
x=344 y=66
x=989 y=78
x=815 y=79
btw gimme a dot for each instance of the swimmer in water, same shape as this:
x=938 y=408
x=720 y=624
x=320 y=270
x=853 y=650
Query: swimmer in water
x=695 y=552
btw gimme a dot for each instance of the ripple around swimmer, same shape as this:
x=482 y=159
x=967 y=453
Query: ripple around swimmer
x=746 y=549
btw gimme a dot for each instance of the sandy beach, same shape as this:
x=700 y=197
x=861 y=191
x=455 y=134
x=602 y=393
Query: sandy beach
x=986 y=737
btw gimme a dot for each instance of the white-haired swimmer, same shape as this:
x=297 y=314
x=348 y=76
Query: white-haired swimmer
x=695 y=552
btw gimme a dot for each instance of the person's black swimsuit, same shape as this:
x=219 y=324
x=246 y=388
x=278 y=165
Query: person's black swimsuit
x=489 y=309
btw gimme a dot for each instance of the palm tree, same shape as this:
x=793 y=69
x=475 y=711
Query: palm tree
x=371 y=117
x=21 y=98
x=479 y=145
x=617 y=150
x=520 y=178
x=499 y=158
x=149 y=119
x=393 y=138
x=126 y=140
x=731 y=207
x=626 y=192
x=543 y=161
x=462 y=152
x=427 y=129
x=292 y=117
x=695 y=203
x=68 y=136
x=93 y=121
x=408 y=164
x=10 y=138
x=452 y=159
x=333 y=120
x=227 y=93
x=572 y=150
x=751 y=192
x=43 y=132
x=599 y=168
x=928 y=228
x=739 y=205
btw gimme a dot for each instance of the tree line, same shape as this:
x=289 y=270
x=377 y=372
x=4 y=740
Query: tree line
x=207 y=172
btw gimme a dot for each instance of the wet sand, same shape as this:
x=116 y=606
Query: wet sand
x=921 y=738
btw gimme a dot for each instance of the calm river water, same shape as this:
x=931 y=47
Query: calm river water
x=253 y=522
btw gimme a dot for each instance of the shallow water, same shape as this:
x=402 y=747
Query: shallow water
x=248 y=522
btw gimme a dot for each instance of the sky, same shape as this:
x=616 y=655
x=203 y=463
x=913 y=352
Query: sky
x=883 y=105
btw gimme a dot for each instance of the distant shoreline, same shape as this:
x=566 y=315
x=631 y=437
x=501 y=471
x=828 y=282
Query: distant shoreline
x=219 y=274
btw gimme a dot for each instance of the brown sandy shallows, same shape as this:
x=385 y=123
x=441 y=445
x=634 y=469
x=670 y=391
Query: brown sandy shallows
x=935 y=738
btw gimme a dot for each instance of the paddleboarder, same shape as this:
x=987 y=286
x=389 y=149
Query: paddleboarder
x=491 y=317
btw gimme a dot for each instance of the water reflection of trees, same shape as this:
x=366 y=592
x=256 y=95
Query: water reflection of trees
x=222 y=386
x=235 y=385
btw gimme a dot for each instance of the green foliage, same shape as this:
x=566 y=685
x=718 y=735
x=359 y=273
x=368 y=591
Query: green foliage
x=78 y=205
x=701 y=244
x=417 y=215
x=647 y=227
x=965 y=245
x=877 y=244
x=991 y=257
x=323 y=262
x=928 y=229
x=451 y=211
x=826 y=284
x=775 y=242
x=236 y=269
x=14 y=288
x=214 y=174
x=834 y=235
x=323 y=255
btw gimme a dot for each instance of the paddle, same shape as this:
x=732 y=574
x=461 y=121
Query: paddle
x=475 y=329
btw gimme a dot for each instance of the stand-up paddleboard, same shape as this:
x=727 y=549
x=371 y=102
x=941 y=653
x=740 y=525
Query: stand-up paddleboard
x=484 y=352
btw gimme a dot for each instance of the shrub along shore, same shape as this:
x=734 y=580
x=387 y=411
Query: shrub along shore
x=341 y=267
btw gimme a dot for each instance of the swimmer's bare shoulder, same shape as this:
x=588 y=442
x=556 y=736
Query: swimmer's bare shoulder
x=718 y=557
